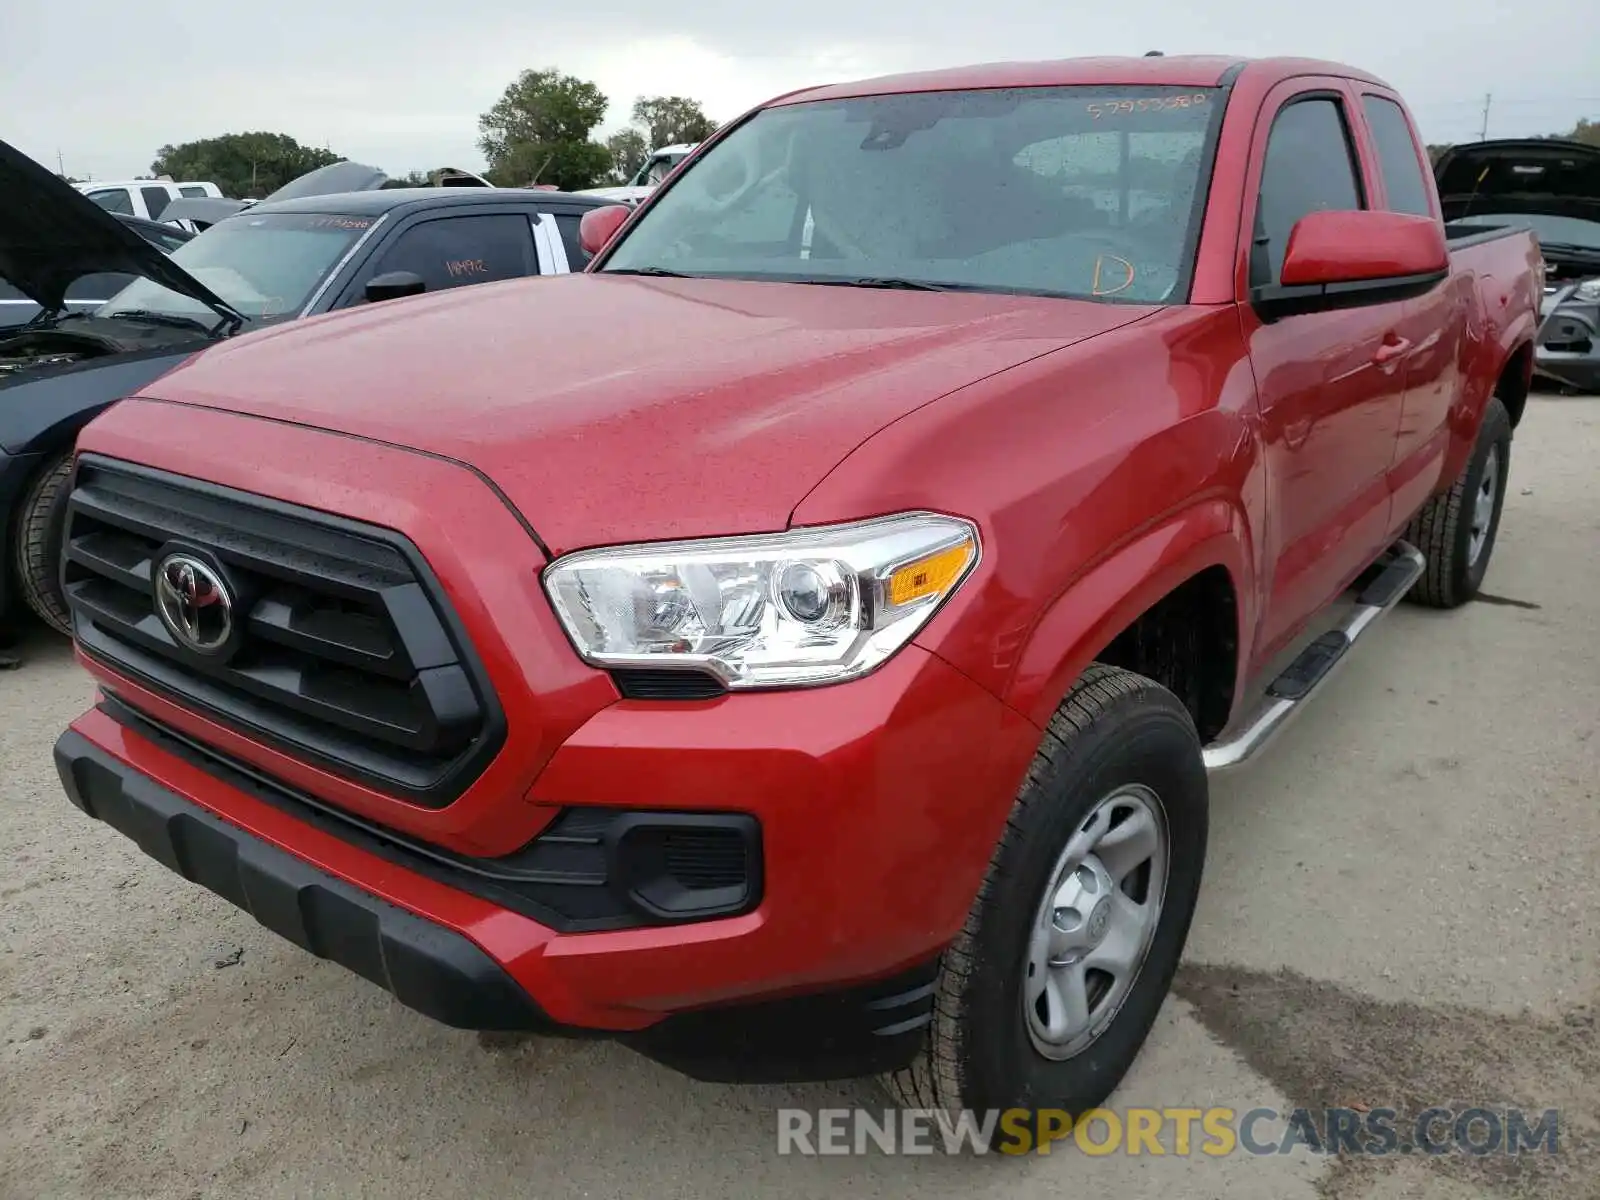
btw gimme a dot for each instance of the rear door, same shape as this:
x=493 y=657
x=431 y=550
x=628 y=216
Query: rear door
x=1331 y=383
x=1433 y=325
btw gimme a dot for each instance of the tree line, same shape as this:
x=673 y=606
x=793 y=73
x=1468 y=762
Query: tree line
x=540 y=130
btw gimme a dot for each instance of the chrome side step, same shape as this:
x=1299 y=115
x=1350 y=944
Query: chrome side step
x=1317 y=663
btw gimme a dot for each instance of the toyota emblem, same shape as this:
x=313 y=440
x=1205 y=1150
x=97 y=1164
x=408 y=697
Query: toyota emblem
x=194 y=604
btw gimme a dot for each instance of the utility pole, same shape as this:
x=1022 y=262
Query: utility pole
x=1483 y=132
x=61 y=167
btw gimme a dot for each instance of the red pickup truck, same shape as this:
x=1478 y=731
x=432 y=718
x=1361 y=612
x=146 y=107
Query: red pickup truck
x=799 y=645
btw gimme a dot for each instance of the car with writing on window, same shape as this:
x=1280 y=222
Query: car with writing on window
x=315 y=246
x=800 y=644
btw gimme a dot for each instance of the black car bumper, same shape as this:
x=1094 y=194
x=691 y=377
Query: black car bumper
x=837 y=1034
x=428 y=968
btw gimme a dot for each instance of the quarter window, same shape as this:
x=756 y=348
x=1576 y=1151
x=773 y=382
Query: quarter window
x=1397 y=155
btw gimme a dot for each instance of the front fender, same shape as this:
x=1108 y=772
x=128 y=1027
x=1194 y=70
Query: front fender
x=1110 y=595
x=43 y=414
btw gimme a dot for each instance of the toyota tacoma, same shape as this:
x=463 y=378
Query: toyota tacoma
x=799 y=645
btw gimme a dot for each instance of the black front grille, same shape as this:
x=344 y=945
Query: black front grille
x=345 y=653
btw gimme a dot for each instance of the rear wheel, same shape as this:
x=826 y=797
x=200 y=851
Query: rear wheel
x=1050 y=989
x=41 y=522
x=1456 y=530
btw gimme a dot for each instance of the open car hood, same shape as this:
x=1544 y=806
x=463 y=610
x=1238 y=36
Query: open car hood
x=1520 y=175
x=51 y=236
x=342 y=176
x=202 y=210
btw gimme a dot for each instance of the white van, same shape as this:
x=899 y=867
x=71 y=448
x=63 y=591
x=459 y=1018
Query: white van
x=145 y=198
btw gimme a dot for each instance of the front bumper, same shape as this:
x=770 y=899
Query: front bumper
x=1567 y=349
x=879 y=804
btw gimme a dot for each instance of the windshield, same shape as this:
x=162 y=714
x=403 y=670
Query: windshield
x=1558 y=230
x=1088 y=192
x=265 y=266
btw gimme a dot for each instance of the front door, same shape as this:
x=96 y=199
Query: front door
x=1331 y=384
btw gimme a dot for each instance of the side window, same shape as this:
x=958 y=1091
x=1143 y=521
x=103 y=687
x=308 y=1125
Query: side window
x=568 y=224
x=114 y=200
x=192 y=192
x=453 y=251
x=1310 y=166
x=1397 y=156
x=156 y=200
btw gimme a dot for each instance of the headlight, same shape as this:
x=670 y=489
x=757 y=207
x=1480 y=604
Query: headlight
x=1589 y=289
x=809 y=606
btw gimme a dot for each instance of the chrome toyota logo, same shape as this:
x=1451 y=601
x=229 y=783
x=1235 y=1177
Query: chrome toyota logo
x=194 y=604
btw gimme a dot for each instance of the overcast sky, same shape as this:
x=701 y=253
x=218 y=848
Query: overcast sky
x=400 y=83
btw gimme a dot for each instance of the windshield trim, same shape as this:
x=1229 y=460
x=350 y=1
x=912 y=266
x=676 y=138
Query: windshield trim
x=337 y=270
x=1182 y=289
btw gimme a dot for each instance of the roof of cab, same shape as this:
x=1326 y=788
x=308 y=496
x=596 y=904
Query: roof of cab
x=379 y=201
x=1178 y=70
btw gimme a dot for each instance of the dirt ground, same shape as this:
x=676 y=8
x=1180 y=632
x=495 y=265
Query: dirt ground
x=1401 y=909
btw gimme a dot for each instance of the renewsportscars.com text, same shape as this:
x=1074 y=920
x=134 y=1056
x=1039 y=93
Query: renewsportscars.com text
x=1180 y=1132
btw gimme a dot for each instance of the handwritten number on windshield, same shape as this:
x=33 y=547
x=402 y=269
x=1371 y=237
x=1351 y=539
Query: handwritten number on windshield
x=1146 y=104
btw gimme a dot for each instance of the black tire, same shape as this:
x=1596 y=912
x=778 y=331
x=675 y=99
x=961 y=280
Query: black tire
x=40 y=525
x=1114 y=729
x=1443 y=530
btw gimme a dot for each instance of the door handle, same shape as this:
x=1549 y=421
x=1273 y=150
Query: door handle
x=1392 y=348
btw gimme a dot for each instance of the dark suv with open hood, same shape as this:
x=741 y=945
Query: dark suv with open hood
x=1553 y=187
x=331 y=239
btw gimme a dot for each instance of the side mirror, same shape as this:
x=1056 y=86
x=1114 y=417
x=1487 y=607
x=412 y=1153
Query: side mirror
x=1349 y=259
x=599 y=226
x=393 y=285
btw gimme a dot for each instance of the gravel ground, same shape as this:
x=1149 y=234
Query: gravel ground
x=1400 y=910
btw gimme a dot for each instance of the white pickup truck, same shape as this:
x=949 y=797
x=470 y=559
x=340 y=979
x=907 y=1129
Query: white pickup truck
x=147 y=198
x=655 y=169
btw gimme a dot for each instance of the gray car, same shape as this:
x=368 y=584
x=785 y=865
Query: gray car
x=1553 y=187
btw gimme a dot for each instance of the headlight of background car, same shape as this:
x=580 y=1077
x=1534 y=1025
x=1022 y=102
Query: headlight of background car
x=809 y=606
x=1589 y=290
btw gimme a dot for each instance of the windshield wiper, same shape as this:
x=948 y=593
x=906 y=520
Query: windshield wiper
x=152 y=317
x=658 y=272
x=881 y=281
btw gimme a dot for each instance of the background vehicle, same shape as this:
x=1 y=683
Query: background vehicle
x=798 y=644
x=146 y=198
x=648 y=177
x=1552 y=187
x=90 y=291
x=294 y=255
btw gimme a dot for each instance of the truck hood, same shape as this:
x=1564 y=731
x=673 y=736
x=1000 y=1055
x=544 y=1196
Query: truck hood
x=51 y=236
x=610 y=408
x=1520 y=175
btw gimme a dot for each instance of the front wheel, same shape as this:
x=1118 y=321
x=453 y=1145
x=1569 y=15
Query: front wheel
x=40 y=525
x=1052 y=986
x=1456 y=530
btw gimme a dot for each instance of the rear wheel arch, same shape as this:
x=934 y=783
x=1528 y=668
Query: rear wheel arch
x=1514 y=382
